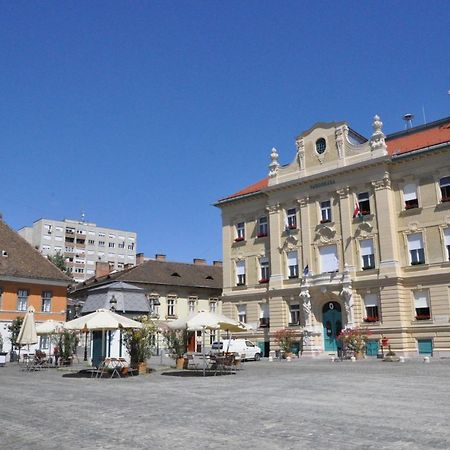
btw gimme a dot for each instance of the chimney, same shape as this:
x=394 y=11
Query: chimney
x=140 y=258
x=101 y=269
x=199 y=262
x=160 y=257
x=217 y=263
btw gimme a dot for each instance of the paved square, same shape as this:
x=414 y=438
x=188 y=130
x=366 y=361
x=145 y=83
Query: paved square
x=268 y=405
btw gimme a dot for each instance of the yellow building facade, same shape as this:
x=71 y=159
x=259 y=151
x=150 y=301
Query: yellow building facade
x=354 y=232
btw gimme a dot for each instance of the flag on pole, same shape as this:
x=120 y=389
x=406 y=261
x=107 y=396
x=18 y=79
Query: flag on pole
x=306 y=271
x=357 y=211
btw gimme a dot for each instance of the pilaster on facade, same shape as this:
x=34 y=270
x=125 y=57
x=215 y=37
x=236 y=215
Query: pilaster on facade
x=349 y=244
x=276 y=263
x=306 y=235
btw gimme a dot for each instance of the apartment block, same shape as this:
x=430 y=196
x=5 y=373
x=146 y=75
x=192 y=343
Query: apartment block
x=82 y=244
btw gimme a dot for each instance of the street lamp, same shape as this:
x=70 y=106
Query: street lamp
x=113 y=303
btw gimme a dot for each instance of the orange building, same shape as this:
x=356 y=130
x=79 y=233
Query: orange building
x=28 y=279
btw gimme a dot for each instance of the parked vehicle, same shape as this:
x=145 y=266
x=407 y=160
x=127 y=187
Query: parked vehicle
x=245 y=348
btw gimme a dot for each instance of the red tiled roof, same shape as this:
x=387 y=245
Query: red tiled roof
x=255 y=187
x=420 y=139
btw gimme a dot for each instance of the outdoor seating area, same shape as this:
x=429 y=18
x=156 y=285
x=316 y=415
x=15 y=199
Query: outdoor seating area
x=113 y=367
x=35 y=361
x=218 y=364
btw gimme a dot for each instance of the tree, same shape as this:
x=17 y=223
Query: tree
x=176 y=341
x=14 y=330
x=139 y=342
x=58 y=260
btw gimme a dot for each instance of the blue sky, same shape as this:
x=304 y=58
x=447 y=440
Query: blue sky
x=143 y=114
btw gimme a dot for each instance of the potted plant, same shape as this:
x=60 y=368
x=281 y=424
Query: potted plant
x=139 y=343
x=285 y=339
x=14 y=330
x=2 y=353
x=176 y=342
x=354 y=339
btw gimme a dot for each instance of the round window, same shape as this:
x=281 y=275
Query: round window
x=321 y=145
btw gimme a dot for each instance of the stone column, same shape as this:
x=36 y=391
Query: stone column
x=347 y=295
x=385 y=214
x=306 y=232
x=348 y=243
x=276 y=267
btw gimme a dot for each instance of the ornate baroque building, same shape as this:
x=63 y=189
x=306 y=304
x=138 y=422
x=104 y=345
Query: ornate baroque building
x=354 y=232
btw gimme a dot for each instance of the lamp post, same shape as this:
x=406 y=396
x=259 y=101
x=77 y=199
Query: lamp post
x=113 y=303
x=85 y=343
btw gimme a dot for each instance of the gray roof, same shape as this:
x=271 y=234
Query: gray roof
x=163 y=273
x=130 y=299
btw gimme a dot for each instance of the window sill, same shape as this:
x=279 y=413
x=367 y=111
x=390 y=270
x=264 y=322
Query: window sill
x=442 y=205
x=295 y=277
x=263 y=281
x=415 y=267
x=363 y=217
x=261 y=236
x=239 y=240
x=325 y=221
x=368 y=268
x=369 y=320
x=294 y=324
x=410 y=211
x=171 y=317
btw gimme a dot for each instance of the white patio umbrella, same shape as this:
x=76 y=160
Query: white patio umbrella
x=102 y=319
x=212 y=321
x=27 y=334
x=49 y=327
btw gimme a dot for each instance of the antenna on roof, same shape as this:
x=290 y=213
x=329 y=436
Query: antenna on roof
x=408 y=118
x=83 y=216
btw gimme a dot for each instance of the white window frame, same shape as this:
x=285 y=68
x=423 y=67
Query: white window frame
x=263 y=226
x=444 y=188
x=240 y=231
x=416 y=249
x=242 y=312
x=171 y=305
x=22 y=299
x=410 y=198
x=294 y=313
x=327 y=263
x=422 y=309
x=371 y=307
x=292 y=264
x=364 y=212
x=46 y=301
x=240 y=273
x=367 y=251
x=291 y=218
x=264 y=269
x=325 y=211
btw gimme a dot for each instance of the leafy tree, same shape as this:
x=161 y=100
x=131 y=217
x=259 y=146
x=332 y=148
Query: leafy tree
x=59 y=261
x=14 y=330
x=67 y=345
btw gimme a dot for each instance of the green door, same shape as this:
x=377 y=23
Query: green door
x=332 y=326
x=97 y=348
x=425 y=346
x=372 y=348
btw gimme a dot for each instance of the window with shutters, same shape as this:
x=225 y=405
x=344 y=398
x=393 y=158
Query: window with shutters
x=422 y=305
x=292 y=263
x=367 y=254
x=410 y=196
x=328 y=259
x=416 y=250
x=371 y=308
x=240 y=273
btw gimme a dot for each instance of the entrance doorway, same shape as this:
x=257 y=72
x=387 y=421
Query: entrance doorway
x=332 y=326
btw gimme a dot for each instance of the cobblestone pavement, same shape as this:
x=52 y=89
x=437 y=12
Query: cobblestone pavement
x=300 y=404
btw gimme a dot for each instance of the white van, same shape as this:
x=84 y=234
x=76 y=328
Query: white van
x=245 y=348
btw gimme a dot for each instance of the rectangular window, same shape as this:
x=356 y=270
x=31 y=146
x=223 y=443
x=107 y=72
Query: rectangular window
x=367 y=254
x=46 y=301
x=154 y=303
x=264 y=316
x=444 y=184
x=371 y=307
x=44 y=342
x=328 y=259
x=213 y=306
x=240 y=273
x=415 y=247
x=101 y=243
x=111 y=245
x=101 y=235
x=447 y=241
x=121 y=245
x=240 y=232
x=131 y=246
x=191 y=306
x=325 y=211
x=265 y=271
x=171 y=307
x=1 y=298
x=262 y=227
x=91 y=242
x=292 y=262
x=363 y=203
x=242 y=313
x=294 y=310
x=291 y=219
x=410 y=196
x=48 y=228
x=22 y=300
x=421 y=305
